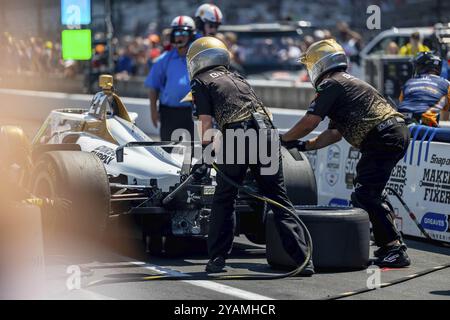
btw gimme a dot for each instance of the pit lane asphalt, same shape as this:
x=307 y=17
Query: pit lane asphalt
x=120 y=272
x=110 y=264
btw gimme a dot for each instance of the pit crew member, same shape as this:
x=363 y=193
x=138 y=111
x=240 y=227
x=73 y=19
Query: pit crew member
x=365 y=119
x=208 y=19
x=426 y=96
x=229 y=99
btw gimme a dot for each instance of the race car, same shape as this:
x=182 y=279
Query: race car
x=108 y=168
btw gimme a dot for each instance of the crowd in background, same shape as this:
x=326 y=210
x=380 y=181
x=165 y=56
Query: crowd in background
x=134 y=55
x=30 y=54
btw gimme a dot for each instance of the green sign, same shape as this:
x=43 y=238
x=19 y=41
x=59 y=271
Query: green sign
x=76 y=44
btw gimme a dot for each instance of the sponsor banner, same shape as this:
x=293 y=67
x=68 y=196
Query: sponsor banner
x=422 y=178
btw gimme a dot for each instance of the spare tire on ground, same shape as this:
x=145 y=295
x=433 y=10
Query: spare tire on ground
x=341 y=238
x=80 y=178
x=301 y=189
x=299 y=177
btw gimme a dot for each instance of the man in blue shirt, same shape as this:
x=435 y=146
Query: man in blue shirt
x=168 y=82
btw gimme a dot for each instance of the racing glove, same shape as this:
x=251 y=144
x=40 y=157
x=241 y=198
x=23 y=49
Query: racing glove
x=298 y=144
x=429 y=118
x=201 y=169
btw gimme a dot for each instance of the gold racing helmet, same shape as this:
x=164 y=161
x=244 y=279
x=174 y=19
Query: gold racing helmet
x=206 y=52
x=322 y=57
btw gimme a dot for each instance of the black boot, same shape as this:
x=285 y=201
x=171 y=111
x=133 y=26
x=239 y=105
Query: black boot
x=308 y=271
x=393 y=257
x=215 y=265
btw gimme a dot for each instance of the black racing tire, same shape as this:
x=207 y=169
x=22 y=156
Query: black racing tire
x=79 y=177
x=301 y=188
x=341 y=238
x=299 y=177
x=254 y=223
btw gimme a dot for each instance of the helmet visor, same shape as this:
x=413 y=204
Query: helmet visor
x=208 y=58
x=181 y=33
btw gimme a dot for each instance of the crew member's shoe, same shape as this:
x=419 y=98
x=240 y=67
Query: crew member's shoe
x=215 y=265
x=380 y=252
x=308 y=271
x=394 y=257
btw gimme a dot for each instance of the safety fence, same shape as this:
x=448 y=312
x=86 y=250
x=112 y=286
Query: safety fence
x=275 y=94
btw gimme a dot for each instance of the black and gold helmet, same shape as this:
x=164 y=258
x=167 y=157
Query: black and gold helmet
x=322 y=57
x=206 y=52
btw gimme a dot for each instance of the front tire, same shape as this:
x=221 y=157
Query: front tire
x=79 y=177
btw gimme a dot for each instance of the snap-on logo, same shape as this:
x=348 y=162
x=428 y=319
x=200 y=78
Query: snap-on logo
x=441 y=161
x=434 y=221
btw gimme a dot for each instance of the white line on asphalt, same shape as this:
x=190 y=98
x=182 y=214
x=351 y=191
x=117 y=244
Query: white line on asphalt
x=206 y=284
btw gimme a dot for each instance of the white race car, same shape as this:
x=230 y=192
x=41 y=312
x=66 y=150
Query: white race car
x=107 y=167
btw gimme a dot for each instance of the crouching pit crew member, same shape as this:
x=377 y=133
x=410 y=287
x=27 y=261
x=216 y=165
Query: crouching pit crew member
x=426 y=96
x=229 y=99
x=365 y=119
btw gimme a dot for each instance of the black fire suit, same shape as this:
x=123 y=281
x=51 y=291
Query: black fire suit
x=230 y=100
x=367 y=121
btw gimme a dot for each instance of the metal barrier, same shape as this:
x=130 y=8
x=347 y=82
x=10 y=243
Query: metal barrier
x=275 y=94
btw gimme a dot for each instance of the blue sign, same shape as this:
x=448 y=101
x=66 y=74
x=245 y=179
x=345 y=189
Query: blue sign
x=75 y=12
x=336 y=202
x=434 y=221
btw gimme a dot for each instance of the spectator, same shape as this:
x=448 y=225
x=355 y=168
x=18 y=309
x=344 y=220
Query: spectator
x=392 y=48
x=414 y=46
x=154 y=50
x=235 y=64
x=290 y=52
x=231 y=41
x=125 y=63
x=350 y=40
x=322 y=34
x=307 y=41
